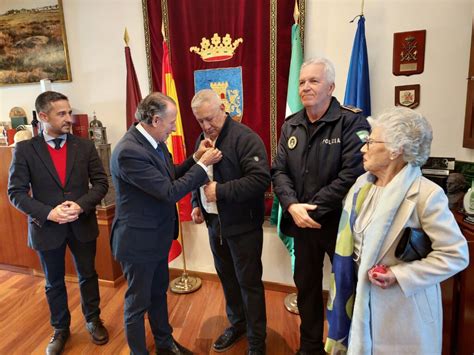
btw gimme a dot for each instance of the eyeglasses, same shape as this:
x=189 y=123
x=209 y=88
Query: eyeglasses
x=368 y=141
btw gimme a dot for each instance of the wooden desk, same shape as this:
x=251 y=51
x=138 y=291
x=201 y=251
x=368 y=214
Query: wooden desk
x=15 y=254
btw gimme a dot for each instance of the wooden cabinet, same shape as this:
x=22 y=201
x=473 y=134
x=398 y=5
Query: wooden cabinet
x=458 y=302
x=463 y=330
x=14 y=251
x=14 y=228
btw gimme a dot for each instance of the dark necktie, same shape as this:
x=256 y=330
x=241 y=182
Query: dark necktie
x=160 y=153
x=57 y=143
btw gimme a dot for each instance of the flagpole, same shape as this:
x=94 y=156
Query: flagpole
x=291 y=300
x=185 y=283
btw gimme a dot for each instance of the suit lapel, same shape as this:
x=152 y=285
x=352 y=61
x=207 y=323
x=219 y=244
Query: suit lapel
x=144 y=142
x=401 y=218
x=41 y=148
x=72 y=148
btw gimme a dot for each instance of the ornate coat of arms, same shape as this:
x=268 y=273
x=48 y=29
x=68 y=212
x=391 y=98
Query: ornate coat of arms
x=227 y=83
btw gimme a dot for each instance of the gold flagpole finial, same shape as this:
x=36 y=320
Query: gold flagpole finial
x=296 y=13
x=125 y=37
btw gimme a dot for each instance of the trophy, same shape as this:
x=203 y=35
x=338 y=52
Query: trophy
x=98 y=134
x=97 y=131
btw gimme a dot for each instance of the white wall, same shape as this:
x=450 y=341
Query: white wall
x=443 y=82
x=95 y=35
x=275 y=258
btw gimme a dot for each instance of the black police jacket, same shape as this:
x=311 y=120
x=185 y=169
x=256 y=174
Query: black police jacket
x=319 y=169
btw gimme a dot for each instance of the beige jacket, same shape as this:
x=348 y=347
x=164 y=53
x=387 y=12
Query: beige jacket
x=407 y=317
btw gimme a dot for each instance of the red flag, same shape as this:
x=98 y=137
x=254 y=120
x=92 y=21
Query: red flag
x=134 y=95
x=175 y=250
x=175 y=145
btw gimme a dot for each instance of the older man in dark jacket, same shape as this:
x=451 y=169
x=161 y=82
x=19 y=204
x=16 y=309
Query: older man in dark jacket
x=232 y=204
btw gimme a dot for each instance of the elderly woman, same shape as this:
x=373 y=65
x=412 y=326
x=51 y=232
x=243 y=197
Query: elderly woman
x=397 y=307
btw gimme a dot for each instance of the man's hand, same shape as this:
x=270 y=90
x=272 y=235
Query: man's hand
x=210 y=191
x=299 y=212
x=203 y=147
x=211 y=156
x=72 y=208
x=197 y=215
x=61 y=214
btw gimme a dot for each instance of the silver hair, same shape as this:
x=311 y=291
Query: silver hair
x=205 y=95
x=155 y=103
x=328 y=67
x=406 y=131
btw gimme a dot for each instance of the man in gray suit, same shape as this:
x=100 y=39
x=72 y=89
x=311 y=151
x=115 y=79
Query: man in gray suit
x=58 y=167
x=148 y=186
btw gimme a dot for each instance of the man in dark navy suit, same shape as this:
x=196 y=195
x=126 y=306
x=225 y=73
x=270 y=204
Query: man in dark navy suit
x=148 y=186
x=58 y=167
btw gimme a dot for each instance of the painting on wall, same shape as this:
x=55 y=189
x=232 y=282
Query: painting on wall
x=33 y=43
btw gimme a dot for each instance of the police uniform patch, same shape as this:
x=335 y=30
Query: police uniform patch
x=292 y=141
x=352 y=108
x=362 y=135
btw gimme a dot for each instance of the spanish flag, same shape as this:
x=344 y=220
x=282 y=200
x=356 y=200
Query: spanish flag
x=175 y=143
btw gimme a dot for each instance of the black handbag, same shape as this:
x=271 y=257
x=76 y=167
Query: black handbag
x=413 y=245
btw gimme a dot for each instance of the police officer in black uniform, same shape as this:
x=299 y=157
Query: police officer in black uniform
x=318 y=160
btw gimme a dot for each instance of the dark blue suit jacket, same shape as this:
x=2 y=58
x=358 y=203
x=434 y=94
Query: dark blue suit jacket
x=33 y=167
x=147 y=189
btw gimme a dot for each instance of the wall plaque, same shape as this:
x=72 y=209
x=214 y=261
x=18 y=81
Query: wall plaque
x=407 y=95
x=409 y=52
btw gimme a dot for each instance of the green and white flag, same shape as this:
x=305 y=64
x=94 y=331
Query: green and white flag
x=293 y=104
x=293 y=101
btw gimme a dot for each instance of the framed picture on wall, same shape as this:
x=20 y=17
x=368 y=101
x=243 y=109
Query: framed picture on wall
x=33 y=44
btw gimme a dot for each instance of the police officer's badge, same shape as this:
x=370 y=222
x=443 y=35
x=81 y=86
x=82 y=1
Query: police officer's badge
x=292 y=141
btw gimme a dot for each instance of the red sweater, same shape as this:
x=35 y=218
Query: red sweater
x=59 y=161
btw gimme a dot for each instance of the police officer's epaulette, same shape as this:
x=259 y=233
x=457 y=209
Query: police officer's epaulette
x=352 y=108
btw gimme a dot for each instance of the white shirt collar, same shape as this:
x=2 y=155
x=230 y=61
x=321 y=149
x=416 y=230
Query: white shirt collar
x=147 y=135
x=49 y=139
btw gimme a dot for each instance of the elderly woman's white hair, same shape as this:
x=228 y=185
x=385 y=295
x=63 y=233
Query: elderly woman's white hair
x=406 y=131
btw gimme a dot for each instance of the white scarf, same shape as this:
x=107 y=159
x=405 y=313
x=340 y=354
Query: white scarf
x=393 y=194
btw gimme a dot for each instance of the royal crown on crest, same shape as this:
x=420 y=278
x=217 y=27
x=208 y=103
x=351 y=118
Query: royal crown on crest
x=219 y=50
